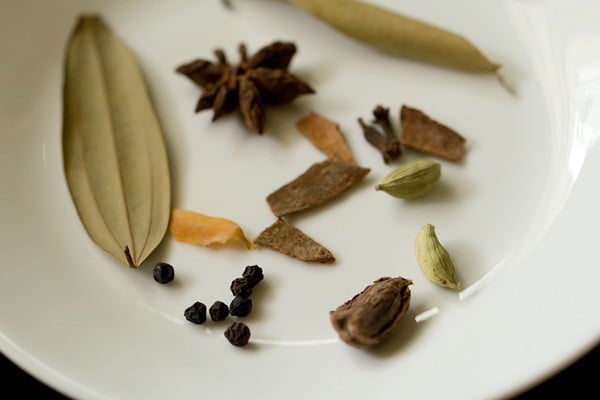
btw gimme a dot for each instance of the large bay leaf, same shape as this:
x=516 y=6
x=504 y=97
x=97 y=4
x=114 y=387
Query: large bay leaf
x=114 y=154
x=398 y=34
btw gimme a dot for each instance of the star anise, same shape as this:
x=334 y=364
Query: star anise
x=254 y=82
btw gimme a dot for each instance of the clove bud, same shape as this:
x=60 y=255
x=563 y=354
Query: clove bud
x=381 y=135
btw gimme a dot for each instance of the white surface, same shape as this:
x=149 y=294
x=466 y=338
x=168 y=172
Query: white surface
x=519 y=215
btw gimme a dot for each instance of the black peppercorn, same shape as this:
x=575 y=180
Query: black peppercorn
x=240 y=306
x=253 y=274
x=196 y=313
x=218 y=311
x=163 y=273
x=238 y=334
x=241 y=287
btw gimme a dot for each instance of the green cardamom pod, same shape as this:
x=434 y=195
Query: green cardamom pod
x=412 y=179
x=433 y=259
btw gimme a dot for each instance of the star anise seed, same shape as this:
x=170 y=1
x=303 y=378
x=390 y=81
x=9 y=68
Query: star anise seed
x=249 y=85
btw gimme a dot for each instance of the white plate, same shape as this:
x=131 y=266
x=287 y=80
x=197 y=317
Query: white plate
x=519 y=215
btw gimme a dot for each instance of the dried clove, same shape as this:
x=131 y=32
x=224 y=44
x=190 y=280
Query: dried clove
x=381 y=134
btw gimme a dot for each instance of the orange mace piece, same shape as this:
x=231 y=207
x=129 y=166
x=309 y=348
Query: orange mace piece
x=204 y=230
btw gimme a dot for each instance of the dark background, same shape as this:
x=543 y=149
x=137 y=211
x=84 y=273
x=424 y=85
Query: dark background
x=580 y=377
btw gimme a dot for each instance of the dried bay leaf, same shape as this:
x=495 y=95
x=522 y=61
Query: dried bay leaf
x=325 y=135
x=205 y=230
x=421 y=132
x=398 y=34
x=319 y=184
x=291 y=241
x=114 y=156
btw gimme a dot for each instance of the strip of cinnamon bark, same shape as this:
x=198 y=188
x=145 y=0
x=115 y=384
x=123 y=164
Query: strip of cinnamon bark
x=326 y=136
x=424 y=134
x=322 y=182
x=291 y=241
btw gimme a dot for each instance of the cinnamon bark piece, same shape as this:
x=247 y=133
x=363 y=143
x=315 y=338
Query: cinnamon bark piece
x=326 y=136
x=424 y=134
x=291 y=241
x=321 y=183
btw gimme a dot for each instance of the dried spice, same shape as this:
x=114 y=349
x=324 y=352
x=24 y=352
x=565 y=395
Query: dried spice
x=253 y=274
x=370 y=316
x=288 y=240
x=424 y=134
x=238 y=334
x=256 y=81
x=412 y=179
x=251 y=277
x=399 y=35
x=434 y=260
x=196 y=313
x=241 y=287
x=381 y=135
x=240 y=306
x=192 y=227
x=114 y=156
x=326 y=136
x=218 y=311
x=321 y=183
x=163 y=272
